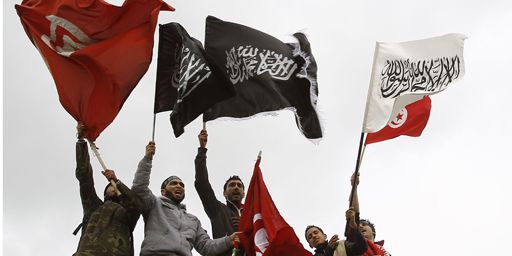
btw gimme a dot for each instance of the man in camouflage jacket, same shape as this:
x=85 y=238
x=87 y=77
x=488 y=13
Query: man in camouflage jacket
x=107 y=226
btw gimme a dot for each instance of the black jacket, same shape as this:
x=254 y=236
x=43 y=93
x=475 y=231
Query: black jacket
x=219 y=213
x=354 y=245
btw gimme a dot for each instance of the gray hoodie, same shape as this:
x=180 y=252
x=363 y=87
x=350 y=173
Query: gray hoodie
x=169 y=229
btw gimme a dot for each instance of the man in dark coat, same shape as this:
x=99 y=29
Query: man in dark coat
x=224 y=217
x=366 y=227
x=107 y=225
x=355 y=244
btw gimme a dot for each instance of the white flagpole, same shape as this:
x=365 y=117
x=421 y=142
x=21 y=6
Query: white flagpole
x=97 y=154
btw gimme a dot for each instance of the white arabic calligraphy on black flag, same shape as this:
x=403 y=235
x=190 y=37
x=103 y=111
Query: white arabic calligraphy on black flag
x=185 y=83
x=267 y=74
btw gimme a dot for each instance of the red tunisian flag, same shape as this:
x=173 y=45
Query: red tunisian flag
x=410 y=121
x=264 y=231
x=95 y=51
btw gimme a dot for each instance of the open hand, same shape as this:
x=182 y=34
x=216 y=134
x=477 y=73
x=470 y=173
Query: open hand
x=333 y=242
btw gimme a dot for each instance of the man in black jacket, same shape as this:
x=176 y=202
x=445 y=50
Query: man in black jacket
x=223 y=217
x=353 y=246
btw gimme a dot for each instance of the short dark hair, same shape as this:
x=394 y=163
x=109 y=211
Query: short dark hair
x=106 y=187
x=310 y=227
x=370 y=224
x=234 y=177
x=164 y=183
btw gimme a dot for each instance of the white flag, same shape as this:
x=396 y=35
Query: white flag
x=403 y=72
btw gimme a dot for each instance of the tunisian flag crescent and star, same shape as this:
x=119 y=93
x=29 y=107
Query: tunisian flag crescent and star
x=410 y=121
x=264 y=231
x=95 y=51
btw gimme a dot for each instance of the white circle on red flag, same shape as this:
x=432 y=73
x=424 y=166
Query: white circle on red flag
x=260 y=237
x=399 y=119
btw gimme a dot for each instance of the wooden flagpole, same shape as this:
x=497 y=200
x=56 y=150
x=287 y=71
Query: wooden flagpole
x=154 y=122
x=360 y=154
x=98 y=156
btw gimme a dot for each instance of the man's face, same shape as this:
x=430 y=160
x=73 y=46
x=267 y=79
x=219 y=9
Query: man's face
x=366 y=230
x=315 y=237
x=234 y=191
x=174 y=190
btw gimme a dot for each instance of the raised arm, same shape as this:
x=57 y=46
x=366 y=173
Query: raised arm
x=355 y=200
x=127 y=199
x=140 y=184
x=83 y=172
x=355 y=243
x=202 y=183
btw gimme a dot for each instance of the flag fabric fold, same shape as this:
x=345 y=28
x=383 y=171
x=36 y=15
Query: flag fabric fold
x=267 y=74
x=185 y=82
x=410 y=69
x=264 y=231
x=95 y=51
x=410 y=121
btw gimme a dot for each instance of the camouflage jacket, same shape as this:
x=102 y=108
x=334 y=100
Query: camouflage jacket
x=107 y=225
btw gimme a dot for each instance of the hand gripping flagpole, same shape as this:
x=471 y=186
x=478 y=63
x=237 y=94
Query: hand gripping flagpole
x=97 y=154
x=360 y=154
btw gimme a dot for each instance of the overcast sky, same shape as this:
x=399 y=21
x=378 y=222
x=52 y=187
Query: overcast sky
x=444 y=193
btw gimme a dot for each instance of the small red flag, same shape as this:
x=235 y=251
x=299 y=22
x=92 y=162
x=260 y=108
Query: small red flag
x=264 y=231
x=410 y=121
x=95 y=51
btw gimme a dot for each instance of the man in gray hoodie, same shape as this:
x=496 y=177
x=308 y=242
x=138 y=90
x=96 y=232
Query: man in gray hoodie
x=169 y=229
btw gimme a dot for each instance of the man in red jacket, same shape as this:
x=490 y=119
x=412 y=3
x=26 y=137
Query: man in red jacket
x=368 y=230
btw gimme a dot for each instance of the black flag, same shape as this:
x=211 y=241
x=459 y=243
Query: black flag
x=267 y=74
x=185 y=83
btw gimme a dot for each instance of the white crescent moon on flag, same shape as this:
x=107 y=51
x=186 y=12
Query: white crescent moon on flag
x=399 y=119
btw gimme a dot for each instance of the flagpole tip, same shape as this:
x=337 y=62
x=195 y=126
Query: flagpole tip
x=259 y=154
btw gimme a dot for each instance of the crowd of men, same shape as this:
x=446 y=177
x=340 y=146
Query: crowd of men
x=170 y=230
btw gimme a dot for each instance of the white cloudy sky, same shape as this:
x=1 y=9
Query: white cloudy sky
x=445 y=193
